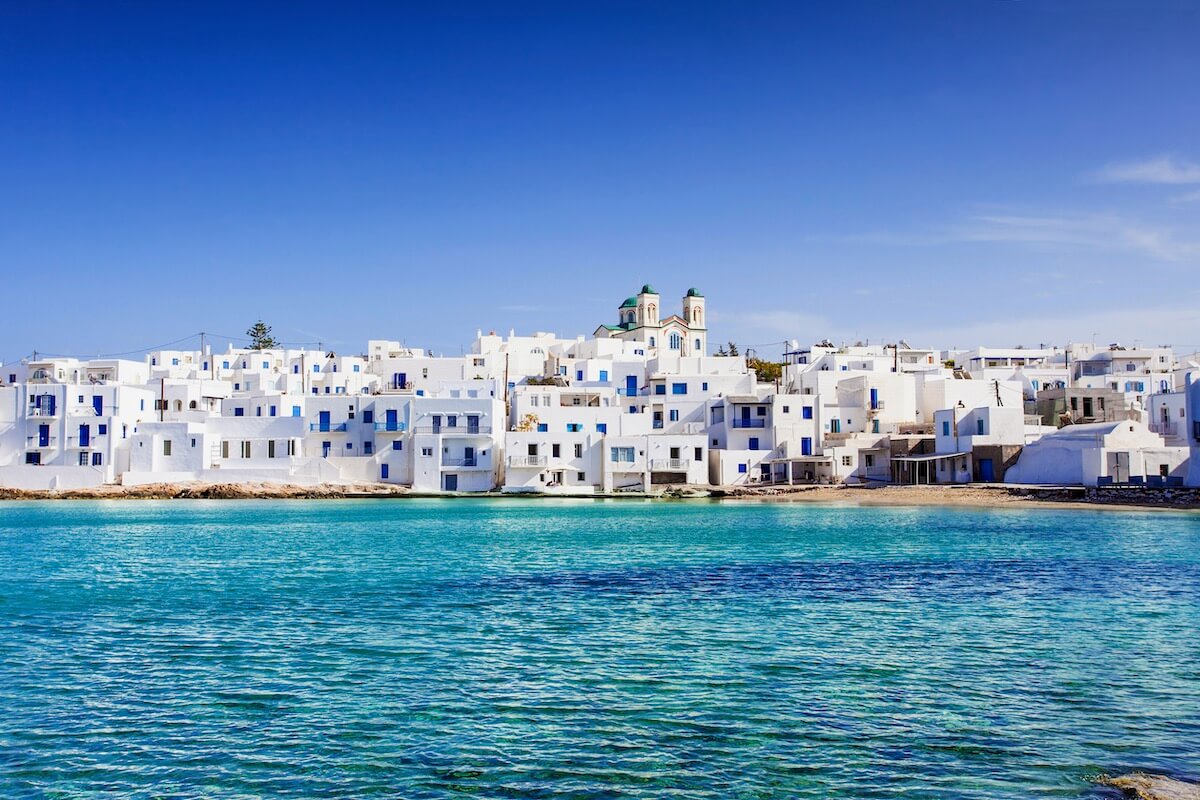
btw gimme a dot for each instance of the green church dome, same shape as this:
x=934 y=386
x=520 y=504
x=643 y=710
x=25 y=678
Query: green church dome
x=630 y=302
x=648 y=289
x=694 y=293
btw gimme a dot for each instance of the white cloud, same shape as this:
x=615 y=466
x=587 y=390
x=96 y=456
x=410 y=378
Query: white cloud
x=1164 y=169
x=1188 y=197
x=1092 y=232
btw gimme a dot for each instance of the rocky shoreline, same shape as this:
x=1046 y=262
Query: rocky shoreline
x=1147 y=786
x=938 y=495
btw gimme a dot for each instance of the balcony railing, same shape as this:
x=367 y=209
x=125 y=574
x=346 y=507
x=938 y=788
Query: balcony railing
x=454 y=430
x=460 y=462
x=878 y=405
x=328 y=427
x=38 y=441
x=749 y=423
x=527 y=461
x=1164 y=428
x=391 y=427
x=669 y=464
x=35 y=411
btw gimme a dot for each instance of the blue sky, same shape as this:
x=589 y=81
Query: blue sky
x=954 y=173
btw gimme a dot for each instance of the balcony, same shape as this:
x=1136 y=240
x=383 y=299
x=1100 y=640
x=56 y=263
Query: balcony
x=45 y=413
x=455 y=430
x=328 y=427
x=749 y=423
x=878 y=406
x=669 y=465
x=1164 y=428
x=391 y=427
x=38 y=442
x=525 y=462
x=460 y=462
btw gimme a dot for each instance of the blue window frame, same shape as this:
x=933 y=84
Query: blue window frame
x=266 y=365
x=295 y=411
x=369 y=417
x=704 y=386
x=397 y=444
x=224 y=365
x=678 y=388
x=574 y=427
x=604 y=375
x=601 y=427
x=543 y=427
x=356 y=369
x=660 y=388
x=368 y=447
x=239 y=412
x=101 y=429
x=674 y=415
x=753 y=442
x=979 y=426
x=742 y=468
x=578 y=374
x=273 y=410
x=383 y=472
x=945 y=428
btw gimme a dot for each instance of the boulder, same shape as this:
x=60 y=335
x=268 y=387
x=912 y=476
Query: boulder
x=1154 y=787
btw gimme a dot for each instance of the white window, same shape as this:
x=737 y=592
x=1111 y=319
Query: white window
x=427 y=451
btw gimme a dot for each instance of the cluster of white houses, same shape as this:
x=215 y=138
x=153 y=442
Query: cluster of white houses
x=639 y=406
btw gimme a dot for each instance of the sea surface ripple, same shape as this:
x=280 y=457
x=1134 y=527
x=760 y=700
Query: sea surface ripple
x=576 y=649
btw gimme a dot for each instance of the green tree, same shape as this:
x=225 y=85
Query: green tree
x=767 y=371
x=260 y=336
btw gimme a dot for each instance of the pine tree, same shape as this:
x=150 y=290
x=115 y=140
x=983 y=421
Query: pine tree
x=260 y=336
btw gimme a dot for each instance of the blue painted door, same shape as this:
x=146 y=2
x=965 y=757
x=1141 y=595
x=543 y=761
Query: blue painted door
x=390 y=421
x=469 y=456
x=323 y=421
x=806 y=446
x=383 y=472
x=746 y=416
x=98 y=404
x=987 y=472
x=472 y=423
x=874 y=398
x=451 y=483
x=325 y=447
x=43 y=435
x=85 y=435
x=631 y=385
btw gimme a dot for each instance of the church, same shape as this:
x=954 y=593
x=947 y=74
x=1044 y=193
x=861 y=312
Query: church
x=638 y=321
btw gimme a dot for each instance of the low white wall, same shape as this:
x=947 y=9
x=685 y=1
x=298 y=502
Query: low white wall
x=23 y=476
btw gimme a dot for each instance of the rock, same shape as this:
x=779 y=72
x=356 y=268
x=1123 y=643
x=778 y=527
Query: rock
x=1153 y=787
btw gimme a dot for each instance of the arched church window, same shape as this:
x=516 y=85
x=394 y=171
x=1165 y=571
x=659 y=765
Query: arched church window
x=676 y=341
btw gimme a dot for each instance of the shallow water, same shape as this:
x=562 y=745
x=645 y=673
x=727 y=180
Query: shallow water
x=513 y=648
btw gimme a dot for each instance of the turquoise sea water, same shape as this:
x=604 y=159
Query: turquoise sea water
x=523 y=649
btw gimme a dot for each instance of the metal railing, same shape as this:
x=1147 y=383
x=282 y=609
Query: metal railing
x=749 y=423
x=391 y=427
x=527 y=461
x=672 y=464
x=454 y=430
x=38 y=441
x=328 y=427
x=35 y=411
x=1164 y=427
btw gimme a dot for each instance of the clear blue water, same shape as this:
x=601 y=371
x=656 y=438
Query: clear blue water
x=521 y=649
